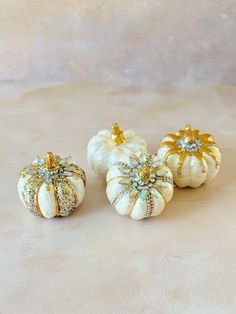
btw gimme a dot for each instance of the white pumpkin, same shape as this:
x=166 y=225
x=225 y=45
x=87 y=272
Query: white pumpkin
x=193 y=158
x=108 y=147
x=139 y=188
x=52 y=187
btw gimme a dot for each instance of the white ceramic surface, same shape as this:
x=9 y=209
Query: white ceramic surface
x=102 y=153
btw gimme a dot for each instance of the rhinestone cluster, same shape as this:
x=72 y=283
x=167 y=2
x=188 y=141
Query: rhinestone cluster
x=142 y=176
x=190 y=147
x=64 y=170
x=150 y=205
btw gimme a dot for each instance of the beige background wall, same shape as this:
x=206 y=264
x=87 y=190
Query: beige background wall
x=127 y=41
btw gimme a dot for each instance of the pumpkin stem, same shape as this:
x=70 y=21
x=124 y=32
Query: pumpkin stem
x=188 y=127
x=144 y=174
x=50 y=162
x=117 y=135
x=189 y=137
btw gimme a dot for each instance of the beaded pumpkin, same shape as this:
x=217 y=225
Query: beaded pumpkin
x=140 y=187
x=51 y=187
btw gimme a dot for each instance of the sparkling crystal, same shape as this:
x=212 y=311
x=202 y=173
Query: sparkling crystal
x=162 y=173
x=68 y=173
x=191 y=147
x=134 y=160
x=124 y=170
x=143 y=194
x=156 y=163
x=124 y=181
x=142 y=158
x=38 y=161
x=65 y=161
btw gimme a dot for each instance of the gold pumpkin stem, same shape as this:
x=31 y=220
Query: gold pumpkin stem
x=117 y=135
x=188 y=127
x=189 y=136
x=144 y=174
x=50 y=162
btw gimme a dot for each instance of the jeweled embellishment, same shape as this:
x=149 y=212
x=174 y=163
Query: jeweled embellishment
x=143 y=184
x=143 y=177
x=61 y=169
x=190 y=147
x=59 y=181
x=190 y=142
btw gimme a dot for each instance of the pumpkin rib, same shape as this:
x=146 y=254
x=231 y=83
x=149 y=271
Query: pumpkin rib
x=211 y=144
x=182 y=157
x=39 y=184
x=62 y=200
x=31 y=185
x=199 y=157
x=79 y=188
x=172 y=151
x=160 y=192
x=120 y=195
x=79 y=176
x=134 y=203
x=211 y=154
x=118 y=177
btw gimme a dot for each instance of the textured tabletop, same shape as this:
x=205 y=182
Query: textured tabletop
x=96 y=261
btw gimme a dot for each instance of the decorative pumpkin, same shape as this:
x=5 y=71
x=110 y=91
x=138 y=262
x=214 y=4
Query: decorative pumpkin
x=139 y=188
x=109 y=147
x=52 y=187
x=193 y=158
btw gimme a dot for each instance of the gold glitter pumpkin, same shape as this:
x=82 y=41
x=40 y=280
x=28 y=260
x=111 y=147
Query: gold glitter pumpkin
x=51 y=187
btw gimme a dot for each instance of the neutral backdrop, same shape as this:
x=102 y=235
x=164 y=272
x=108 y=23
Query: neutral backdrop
x=69 y=68
x=130 y=41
